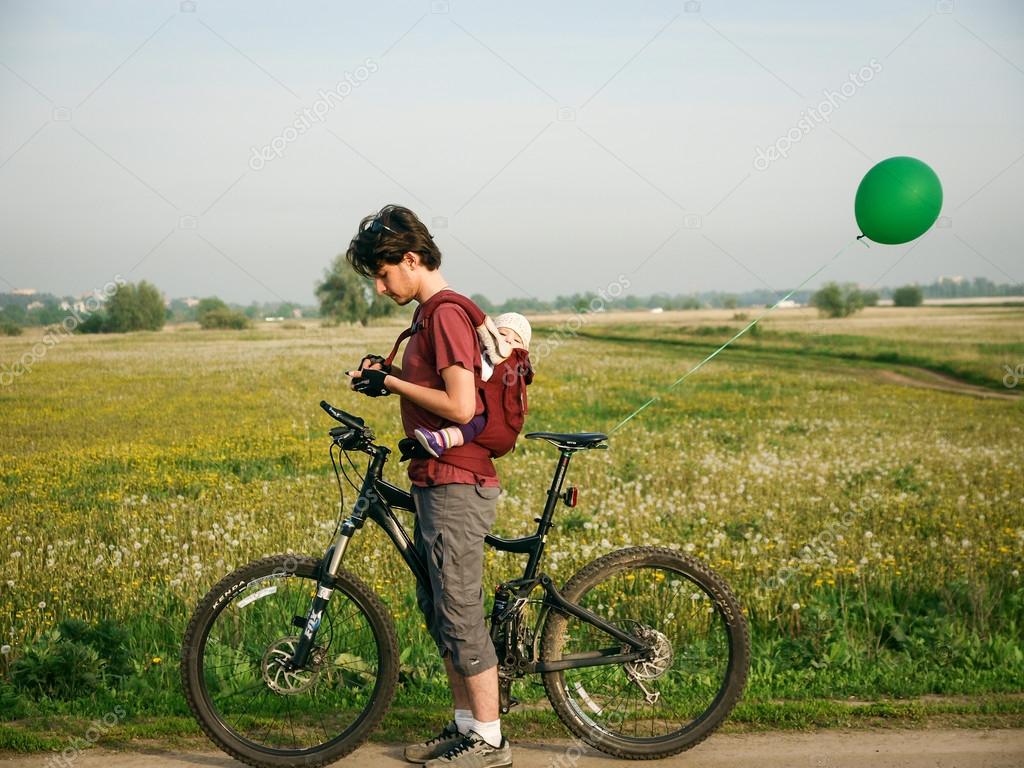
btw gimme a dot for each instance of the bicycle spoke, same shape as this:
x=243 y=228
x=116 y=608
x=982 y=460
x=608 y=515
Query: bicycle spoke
x=291 y=725
x=242 y=667
x=688 y=661
x=262 y=691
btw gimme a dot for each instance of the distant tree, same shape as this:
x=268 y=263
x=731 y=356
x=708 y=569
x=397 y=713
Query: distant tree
x=834 y=300
x=381 y=306
x=854 y=299
x=348 y=296
x=657 y=300
x=729 y=302
x=908 y=296
x=483 y=302
x=870 y=298
x=209 y=304
x=342 y=294
x=94 y=323
x=135 y=308
x=7 y=328
x=48 y=314
x=524 y=305
x=14 y=313
x=223 y=317
x=829 y=300
x=180 y=311
x=982 y=287
x=583 y=302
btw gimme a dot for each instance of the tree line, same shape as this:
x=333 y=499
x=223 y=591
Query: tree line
x=345 y=296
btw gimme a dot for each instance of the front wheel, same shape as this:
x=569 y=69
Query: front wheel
x=696 y=670
x=236 y=677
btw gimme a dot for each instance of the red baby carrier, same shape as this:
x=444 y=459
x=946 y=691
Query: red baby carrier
x=503 y=394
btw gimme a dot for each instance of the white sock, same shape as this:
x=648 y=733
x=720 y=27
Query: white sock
x=464 y=720
x=489 y=732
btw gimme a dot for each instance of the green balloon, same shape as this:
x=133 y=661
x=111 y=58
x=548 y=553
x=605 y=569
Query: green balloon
x=898 y=200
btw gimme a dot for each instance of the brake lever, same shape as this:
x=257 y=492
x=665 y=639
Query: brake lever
x=351 y=438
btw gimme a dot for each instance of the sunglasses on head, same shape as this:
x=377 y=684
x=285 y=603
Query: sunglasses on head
x=377 y=225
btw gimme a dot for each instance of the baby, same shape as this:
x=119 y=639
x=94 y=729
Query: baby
x=516 y=329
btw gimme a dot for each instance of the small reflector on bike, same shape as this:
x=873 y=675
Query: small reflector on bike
x=571 y=496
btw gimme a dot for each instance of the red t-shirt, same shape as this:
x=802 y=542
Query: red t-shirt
x=454 y=340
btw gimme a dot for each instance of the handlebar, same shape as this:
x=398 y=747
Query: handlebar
x=358 y=436
x=345 y=418
x=354 y=435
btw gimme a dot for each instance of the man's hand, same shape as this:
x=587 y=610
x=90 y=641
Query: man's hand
x=369 y=381
x=375 y=363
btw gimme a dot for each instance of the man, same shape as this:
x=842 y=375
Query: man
x=455 y=506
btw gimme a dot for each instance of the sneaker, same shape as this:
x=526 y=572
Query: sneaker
x=434 y=747
x=430 y=441
x=473 y=752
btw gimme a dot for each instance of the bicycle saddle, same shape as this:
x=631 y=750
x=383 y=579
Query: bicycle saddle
x=571 y=440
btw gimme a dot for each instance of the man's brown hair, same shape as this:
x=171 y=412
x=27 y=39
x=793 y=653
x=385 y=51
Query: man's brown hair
x=398 y=231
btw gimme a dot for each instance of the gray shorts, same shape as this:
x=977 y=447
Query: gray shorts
x=451 y=522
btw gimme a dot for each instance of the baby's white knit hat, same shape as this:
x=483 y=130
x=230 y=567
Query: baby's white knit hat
x=517 y=323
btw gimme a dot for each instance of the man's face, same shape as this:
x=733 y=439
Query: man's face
x=396 y=281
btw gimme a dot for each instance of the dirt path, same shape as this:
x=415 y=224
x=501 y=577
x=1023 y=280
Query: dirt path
x=901 y=374
x=926 y=379
x=828 y=749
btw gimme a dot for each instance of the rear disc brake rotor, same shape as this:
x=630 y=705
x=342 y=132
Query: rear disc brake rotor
x=659 y=663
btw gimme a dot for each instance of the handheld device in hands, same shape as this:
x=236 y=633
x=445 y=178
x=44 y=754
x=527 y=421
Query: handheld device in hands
x=370 y=382
x=371 y=360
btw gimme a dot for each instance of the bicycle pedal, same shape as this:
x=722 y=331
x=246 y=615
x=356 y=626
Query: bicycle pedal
x=504 y=708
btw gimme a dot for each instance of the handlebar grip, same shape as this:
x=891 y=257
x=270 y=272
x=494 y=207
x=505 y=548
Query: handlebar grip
x=339 y=415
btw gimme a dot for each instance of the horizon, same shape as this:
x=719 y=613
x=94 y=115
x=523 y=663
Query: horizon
x=168 y=300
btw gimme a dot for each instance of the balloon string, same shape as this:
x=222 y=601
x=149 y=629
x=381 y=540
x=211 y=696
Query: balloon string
x=750 y=325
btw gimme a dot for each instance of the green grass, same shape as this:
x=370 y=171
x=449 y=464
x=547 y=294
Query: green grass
x=209 y=451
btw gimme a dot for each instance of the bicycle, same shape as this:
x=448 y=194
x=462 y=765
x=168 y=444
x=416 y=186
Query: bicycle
x=291 y=660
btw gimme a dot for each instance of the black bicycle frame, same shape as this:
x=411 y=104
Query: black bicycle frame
x=377 y=500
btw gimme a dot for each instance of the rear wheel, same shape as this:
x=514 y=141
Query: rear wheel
x=237 y=683
x=694 y=675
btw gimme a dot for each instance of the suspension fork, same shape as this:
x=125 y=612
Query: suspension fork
x=331 y=562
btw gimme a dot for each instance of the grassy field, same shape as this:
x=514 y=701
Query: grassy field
x=874 y=532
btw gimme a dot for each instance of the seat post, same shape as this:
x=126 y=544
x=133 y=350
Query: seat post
x=544 y=521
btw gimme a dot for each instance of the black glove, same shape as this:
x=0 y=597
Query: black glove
x=410 y=448
x=371 y=383
x=371 y=359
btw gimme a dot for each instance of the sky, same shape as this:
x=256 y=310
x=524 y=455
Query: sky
x=550 y=148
